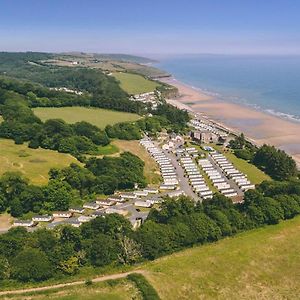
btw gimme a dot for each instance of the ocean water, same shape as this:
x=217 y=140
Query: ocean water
x=267 y=83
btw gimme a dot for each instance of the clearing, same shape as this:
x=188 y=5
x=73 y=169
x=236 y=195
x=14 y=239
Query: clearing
x=33 y=163
x=135 y=84
x=258 y=264
x=151 y=170
x=96 y=116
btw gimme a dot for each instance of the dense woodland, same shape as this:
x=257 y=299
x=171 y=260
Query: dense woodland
x=274 y=162
x=110 y=240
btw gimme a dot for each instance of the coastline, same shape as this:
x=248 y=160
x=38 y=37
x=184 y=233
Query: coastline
x=261 y=128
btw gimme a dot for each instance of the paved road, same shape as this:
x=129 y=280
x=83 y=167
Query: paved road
x=62 y=285
x=183 y=181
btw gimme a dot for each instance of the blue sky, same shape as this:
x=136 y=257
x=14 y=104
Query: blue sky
x=151 y=26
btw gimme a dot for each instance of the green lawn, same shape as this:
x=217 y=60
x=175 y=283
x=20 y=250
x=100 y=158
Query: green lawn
x=33 y=163
x=108 y=149
x=135 y=84
x=121 y=289
x=255 y=175
x=96 y=116
x=258 y=264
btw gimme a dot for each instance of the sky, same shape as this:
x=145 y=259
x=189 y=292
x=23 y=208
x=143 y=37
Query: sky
x=151 y=26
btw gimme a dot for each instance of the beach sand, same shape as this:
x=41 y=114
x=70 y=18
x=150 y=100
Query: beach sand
x=260 y=127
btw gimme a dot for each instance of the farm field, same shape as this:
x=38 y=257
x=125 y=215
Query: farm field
x=33 y=163
x=258 y=264
x=119 y=290
x=96 y=116
x=135 y=84
x=151 y=170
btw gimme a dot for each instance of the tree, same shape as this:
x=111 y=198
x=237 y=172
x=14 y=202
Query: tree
x=103 y=251
x=130 y=250
x=31 y=264
x=289 y=205
x=4 y=268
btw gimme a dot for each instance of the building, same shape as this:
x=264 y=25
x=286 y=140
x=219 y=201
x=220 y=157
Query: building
x=151 y=190
x=91 y=205
x=62 y=214
x=204 y=137
x=98 y=213
x=128 y=196
x=105 y=202
x=114 y=198
x=146 y=204
x=45 y=218
x=23 y=223
x=112 y=210
x=79 y=210
x=141 y=193
x=84 y=219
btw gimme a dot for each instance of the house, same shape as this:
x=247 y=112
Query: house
x=84 y=219
x=112 y=210
x=79 y=210
x=23 y=223
x=115 y=198
x=141 y=193
x=98 y=213
x=91 y=205
x=105 y=202
x=146 y=204
x=44 y=218
x=71 y=221
x=128 y=195
x=176 y=194
x=62 y=214
x=151 y=190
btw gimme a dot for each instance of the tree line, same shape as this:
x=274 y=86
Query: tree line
x=110 y=240
x=71 y=185
x=275 y=162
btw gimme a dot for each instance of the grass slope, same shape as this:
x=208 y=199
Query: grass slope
x=95 y=116
x=255 y=175
x=151 y=170
x=33 y=163
x=117 y=290
x=135 y=84
x=258 y=264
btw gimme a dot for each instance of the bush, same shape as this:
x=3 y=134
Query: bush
x=146 y=289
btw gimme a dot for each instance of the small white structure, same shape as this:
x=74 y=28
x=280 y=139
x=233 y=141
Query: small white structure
x=23 y=223
x=146 y=204
x=91 y=205
x=45 y=218
x=62 y=214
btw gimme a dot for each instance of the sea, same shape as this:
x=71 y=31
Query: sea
x=267 y=83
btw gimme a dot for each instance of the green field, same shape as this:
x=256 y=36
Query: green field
x=255 y=175
x=117 y=290
x=258 y=264
x=96 y=116
x=135 y=84
x=33 y=163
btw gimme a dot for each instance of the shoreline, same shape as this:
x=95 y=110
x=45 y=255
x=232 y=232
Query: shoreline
x=258 y=126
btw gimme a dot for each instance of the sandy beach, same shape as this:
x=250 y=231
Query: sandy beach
x=260 y=127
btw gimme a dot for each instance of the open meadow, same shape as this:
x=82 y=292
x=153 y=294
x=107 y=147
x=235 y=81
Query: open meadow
x=135 y=84
x=258 y=264
x=96 y=116
x=32 y=163
x=121 y=289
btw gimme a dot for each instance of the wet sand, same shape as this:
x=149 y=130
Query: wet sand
x=260 y=127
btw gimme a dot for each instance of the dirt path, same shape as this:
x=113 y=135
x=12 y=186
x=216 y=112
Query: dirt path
x=62 y=285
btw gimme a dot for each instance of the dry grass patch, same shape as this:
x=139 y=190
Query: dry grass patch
x=259 y=264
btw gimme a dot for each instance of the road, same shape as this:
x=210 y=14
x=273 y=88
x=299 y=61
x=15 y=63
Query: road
x=74 y=283
x=183 y=181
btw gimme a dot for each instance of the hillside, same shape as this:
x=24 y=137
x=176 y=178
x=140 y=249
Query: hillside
x=259 y=264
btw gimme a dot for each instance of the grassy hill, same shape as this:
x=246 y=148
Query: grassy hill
x=95 y=116
x=116 y=290
x=135 y=84
x=33 y=163
x=259 y=264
